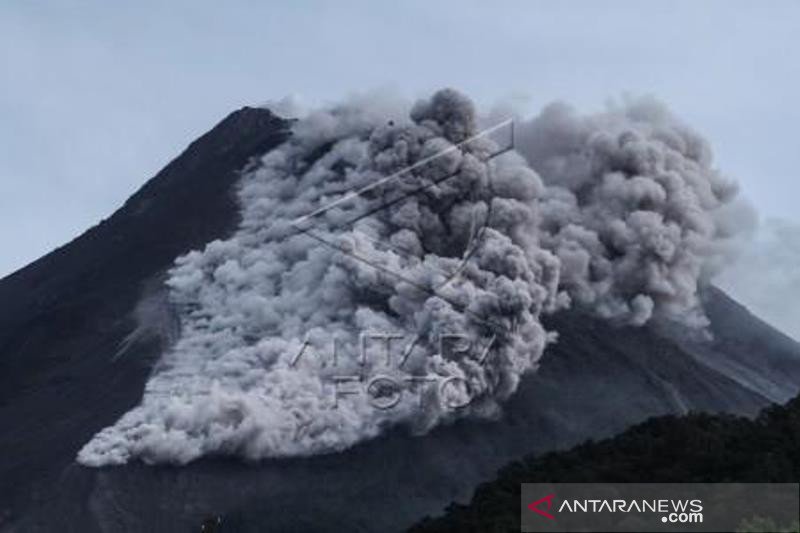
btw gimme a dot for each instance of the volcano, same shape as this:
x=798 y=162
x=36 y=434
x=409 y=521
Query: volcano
x=74 y=358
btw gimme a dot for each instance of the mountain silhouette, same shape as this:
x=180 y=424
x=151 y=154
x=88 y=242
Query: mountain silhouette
x=74 y=357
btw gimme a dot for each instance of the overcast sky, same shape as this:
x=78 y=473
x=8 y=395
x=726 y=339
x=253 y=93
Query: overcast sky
x=95 y=98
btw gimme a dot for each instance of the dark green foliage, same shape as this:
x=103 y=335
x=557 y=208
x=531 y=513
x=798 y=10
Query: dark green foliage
x=692 y=448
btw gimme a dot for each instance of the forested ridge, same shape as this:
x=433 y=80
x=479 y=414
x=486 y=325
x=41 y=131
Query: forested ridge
x=691 y=448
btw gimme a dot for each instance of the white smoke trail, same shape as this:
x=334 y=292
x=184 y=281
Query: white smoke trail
x=625 y=225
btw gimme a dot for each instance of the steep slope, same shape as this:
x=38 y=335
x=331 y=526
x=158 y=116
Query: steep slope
x=72 y=361
x=64 y=316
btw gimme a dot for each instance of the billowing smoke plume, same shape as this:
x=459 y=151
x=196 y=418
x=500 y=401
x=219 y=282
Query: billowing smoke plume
x=415 y=229
x=632 y=208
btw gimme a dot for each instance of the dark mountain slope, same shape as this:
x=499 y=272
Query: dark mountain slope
x=696 y=448
x=63 y=317
x=65 y=320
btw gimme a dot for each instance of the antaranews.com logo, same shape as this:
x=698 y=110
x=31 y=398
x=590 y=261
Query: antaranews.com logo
x=673 y=511
x=644 y=507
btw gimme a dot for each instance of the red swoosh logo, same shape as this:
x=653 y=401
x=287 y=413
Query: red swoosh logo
x=535 y=506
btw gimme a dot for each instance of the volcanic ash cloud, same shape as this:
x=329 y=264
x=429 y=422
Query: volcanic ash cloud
x=633 y=209
x=368 y=221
